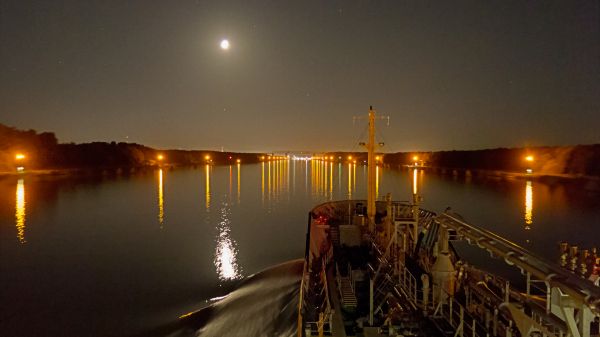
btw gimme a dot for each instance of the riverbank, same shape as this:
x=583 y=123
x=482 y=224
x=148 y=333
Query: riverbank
x=556 y=162
x=465 y=172
x=587 y=183
x=42 y=154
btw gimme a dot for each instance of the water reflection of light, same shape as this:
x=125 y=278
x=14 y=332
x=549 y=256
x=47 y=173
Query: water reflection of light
x=294 y=177
x=528 y=204
x=353 y=177
x=306 y=176
x=415 y=187
x=275 y=178
x=262 y=182
x=226 y=253
x=20 y=211
x=238 y=182
x=279 y=176
x=313 y=177
x=339 y=174
x=349 y=181
x=207 y=187
x=230 y=179
x=269 y=181
x=161 y=209
x=377 y=182
x=331 y=181
x=326 y=177
x=321 y=182
x=286 y=176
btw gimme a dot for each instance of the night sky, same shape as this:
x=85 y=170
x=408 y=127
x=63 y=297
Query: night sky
x=451 y=75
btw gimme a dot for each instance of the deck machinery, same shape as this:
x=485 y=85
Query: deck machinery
x=384 y=282
x=387 y=268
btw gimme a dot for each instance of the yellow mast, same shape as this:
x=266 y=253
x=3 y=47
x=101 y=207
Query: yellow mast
x=371 y=174
x=371 y=170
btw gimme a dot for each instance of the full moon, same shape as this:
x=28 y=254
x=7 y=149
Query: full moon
x=225 y=44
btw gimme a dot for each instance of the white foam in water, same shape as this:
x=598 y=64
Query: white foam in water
x=265 y=305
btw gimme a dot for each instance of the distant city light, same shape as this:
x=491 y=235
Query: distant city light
x=415 y=158
x=160 y=157
x=529 y=158
x=19 y=156
x=207 y=157
x=239 y=161
x=20 y=169
x=349 y=157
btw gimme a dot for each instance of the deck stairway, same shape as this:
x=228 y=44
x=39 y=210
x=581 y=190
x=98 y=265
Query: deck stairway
x=346 y=292
x=384 y=287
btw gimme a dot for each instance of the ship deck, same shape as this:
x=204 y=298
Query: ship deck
x=362 y=281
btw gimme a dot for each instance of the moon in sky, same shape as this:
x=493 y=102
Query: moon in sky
x=224 y=44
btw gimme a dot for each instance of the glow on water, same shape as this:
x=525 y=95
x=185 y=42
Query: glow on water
x=239 y=184
x=207 y=195
x=92 y=231
x=20 y=211
x=330 y=181
x=161 y=208
x=377 y=181
x=226 y=253
x=528 y=204
x=415 y=182
x=349 y=181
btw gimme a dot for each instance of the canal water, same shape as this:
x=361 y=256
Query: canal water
x=119 y=254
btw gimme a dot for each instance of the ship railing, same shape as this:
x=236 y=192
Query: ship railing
x=303 y=284
x=409 y=284
x=339 y=278
x=324 y=324
x=464 y=324
x=320 y=327
x=349 y=209
x=450 y=310
x=533 y=303
x=328 y=256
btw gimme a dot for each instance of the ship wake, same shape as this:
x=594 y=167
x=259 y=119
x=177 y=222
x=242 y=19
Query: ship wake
x=265 y=304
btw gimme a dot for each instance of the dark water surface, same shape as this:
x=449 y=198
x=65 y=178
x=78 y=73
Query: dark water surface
x=113 y=255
